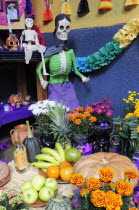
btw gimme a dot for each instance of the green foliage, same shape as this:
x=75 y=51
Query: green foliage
x=59 y=123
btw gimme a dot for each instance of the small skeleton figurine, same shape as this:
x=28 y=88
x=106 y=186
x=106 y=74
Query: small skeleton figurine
x=60 y=60
x=29 y=36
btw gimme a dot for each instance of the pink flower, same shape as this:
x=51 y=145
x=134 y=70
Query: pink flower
x=11 y=200
x=11 y=193
x=109 y=113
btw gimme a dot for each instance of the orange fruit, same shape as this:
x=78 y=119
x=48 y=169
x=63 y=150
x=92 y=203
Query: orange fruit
x=66 y=173
x=65 y=164
x=53 y=172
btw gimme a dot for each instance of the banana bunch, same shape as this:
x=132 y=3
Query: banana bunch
x=51 y=156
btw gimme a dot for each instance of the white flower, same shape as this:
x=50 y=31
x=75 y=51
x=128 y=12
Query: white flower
x=41 y=107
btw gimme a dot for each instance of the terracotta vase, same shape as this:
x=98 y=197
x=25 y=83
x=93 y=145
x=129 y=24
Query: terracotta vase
x=23 y=132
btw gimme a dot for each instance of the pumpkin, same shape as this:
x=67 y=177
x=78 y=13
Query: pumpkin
x=90 y=165
x=59 y=202
x=32 y=145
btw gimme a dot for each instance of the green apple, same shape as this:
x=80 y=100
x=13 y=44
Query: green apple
x=46 y=193
x=30 y=196
x=51 y=182
x=25 y=185
x=38 y=181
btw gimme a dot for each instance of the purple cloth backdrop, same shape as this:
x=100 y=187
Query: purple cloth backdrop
x=18 y=114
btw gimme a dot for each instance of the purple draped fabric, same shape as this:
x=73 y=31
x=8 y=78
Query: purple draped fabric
x=18 y=114
x=65 y=93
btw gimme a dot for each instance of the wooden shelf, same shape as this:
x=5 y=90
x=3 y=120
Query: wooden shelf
x=18 y=57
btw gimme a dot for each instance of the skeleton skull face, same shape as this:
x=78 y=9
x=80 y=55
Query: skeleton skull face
x=12 y=42
x=15 y=100
x=28 y=22
x=63 y=29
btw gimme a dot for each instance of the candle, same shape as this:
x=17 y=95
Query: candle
x=9 y=24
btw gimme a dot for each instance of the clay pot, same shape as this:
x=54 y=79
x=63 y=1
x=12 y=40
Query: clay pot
x=23 y=132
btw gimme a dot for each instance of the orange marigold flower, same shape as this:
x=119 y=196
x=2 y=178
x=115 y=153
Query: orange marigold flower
x=113 y=208
x=79 y=109
x=77 y=179
x=106 y=174
x=78 y=121
x=87 y=114
x=88 y=109
x=113 y=199
x=72 y=111
x=130 y=174
x=98 y=198
x=80 y=115
x=93 y=183
x=133 y=208
x=84 y=192
x=71 y=117
x=93 y=119
x=124 y=188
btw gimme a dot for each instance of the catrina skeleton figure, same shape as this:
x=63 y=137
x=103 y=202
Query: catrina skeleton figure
x=60 y=60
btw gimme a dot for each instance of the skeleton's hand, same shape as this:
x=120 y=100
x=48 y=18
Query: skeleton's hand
x=85 y=79
x=43 y=83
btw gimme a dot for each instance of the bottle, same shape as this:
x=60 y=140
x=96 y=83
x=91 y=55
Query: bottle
x=20 y=154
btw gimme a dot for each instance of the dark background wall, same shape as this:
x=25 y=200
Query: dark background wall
x=114 y=80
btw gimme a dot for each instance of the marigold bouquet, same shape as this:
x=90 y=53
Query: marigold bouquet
x=80 y=121
x=102 y=193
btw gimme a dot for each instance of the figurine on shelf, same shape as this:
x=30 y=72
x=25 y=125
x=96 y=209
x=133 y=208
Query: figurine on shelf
x=12 y=41
x=30 y=36
x=15 y=101
x=60 y=60
x=27 y=100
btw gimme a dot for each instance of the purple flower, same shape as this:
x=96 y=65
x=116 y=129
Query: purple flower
x=136 y=199
x=75 y=202
x=104 y=106
x=99 y=110
x=77 y=190
x=109 y=113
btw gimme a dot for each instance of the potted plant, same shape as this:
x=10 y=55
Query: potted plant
x=80 y=123
x=51 y=119
x=102 y=127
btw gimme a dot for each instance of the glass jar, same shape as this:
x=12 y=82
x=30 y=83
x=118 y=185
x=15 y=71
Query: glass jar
x=20 y=154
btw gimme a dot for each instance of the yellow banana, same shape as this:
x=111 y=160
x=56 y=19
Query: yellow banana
x=44 y=169
x=52 y=152
x=67 y=146
x=48 y=158
x=41 y=164
x=60 y=151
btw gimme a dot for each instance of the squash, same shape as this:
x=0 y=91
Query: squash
x=90 y=165
x=59 y=202
x=32 y=145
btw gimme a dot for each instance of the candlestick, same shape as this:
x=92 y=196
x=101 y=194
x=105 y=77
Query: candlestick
x=9 y=24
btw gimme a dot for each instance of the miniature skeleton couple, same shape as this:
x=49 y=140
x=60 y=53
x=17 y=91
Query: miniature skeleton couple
x=60 y=60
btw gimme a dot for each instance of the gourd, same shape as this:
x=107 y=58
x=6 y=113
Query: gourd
x=32 y=145
x=4 y=170
x=59 y=202
x=90 y=165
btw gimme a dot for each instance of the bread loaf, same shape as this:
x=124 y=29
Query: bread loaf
x=4 y=170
